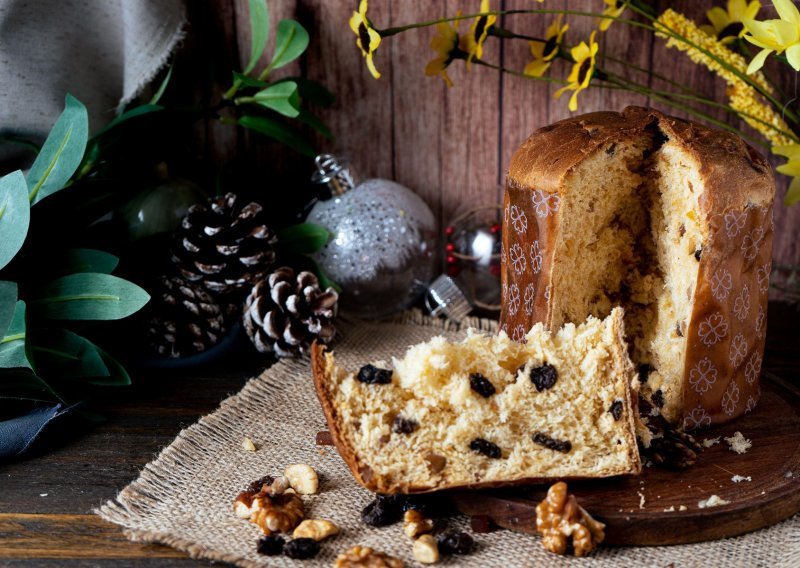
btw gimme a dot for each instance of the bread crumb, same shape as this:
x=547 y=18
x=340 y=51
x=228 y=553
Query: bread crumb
x=713 y=501
x=739 y=443
x=708 y=442
x=739 y=478
x=682 y=508
x=248 y=445
x=641 y=499
x=788 y=474
x=670 y=510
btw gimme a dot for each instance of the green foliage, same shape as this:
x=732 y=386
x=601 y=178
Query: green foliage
x=13 y=352
x=86 y=260
x=291 y=42
x=304 y=238
x=15 y=215
x=280 y=97
x=278 y=131
x=259 y=32
x=89 y=296
x=8 y=304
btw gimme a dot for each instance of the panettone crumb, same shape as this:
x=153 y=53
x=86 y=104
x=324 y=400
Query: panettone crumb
x=708 y=442
x=682 y=508
x=641 y=499
x=713 y=501
x=740 y=478
x=670 y=509
x=738 y=443
x=248 y=445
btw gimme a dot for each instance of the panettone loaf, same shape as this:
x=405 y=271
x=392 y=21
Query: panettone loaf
x=487 y=411
x=667 y=218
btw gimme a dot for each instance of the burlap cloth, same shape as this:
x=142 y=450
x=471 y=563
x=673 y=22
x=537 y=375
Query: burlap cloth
x=184 y=497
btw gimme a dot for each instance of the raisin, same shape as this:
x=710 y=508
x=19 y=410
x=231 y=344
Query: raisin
x=678 y=329
x=301 y=548
x=372 y=375
x=698 y=254
x=404 y=425
x=551 y=443
x=271 y=545
x=658 y=399
x=644 y=372
x=485 y=447
x=544 y=377
x=616 y=409
x=457 y=542
x=481 y=385
x=383 y=510
x=255 y=486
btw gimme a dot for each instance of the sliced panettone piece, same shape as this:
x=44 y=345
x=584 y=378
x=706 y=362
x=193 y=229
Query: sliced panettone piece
x=487 y=411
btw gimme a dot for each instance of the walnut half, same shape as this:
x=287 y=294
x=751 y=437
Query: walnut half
x=366 y=557
x=559 y=518
x=271 y=510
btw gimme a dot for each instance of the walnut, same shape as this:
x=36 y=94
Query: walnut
x=302 y=478
x=315 y=529
x=248 y=445
x=426 y=550
x=415 y=523
x=270 y=510
x=559 y=517
x=365 y=557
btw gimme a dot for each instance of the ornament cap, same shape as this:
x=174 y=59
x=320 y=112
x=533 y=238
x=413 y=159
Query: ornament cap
x=334 y=172
x=446 y=298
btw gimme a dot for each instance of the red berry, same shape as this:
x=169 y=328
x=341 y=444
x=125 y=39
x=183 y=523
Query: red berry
x=495 y=228
x=449 y=230
x=450 y=247
x=451 y=259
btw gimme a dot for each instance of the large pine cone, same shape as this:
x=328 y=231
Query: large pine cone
x=223 y=245
x=285 y=313
x=187 y=319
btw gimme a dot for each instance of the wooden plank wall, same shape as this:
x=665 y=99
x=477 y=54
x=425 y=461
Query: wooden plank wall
x=451 y=145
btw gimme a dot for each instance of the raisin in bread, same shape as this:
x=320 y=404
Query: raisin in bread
x=487 y=411
x=671 y=220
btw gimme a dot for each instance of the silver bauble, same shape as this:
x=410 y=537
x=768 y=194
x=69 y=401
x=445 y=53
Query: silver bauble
x=382 y=252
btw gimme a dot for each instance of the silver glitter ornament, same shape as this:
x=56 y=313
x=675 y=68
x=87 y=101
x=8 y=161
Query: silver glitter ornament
x=382 y=252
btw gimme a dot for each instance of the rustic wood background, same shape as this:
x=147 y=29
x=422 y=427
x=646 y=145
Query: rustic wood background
x=451 y=145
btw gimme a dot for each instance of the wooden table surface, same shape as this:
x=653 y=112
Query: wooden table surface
x=46 y=500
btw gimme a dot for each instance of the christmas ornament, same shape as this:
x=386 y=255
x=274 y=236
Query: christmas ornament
x=382 y=252
x=159 y=209
x=472 y=244
x=285 y=313
x=187 y=320
x=224 y=245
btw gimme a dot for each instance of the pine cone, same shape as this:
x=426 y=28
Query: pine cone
x=224 y=246
x=187 y=319
x=671 y=448
x=285 y=313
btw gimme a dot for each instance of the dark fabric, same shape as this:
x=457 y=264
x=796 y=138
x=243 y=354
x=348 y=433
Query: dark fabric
x=17 y=435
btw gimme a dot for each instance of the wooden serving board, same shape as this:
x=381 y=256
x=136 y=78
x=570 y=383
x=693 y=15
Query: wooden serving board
x=773 y=463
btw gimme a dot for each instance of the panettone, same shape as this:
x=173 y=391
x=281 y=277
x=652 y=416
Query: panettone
x=487 y=411
x=667 y=218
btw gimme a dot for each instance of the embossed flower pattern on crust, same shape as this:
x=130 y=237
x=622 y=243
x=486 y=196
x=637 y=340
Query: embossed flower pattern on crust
x=518 y=334
x=730 y=398
x=517 y=258
x=518 y=219
x=753 y=368
x=545 y=203
x=734 y=222
x=751 y=243
x=703 y=375
x=751 y=404
x=697 y=418
x=530 y=294
x=713 y=329
x=738 y=350
x=536 y=258
x=513 y=300
x=721 y=283
x=741 y=306
x=762 y=277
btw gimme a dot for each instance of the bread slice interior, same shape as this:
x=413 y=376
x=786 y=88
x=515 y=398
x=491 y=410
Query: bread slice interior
x=630 y=236
x=487 y=411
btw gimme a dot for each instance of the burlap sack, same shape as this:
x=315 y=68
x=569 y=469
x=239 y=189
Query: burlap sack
x=184 y=498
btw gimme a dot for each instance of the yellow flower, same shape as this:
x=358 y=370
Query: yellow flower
x=472 y=43
x=578 y=80
x=445 y=44
x=726 y=25
x=614 y=9
x=790 y=168
x=775 y=36
x=544 y=52
x=746 y=101
x=368 y=39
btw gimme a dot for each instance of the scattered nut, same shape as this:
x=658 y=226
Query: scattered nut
x=270 y=511
x=415 y=523
x=559 y=517
x=317 y=529
x=302 y=478
x=248 y=445
x=365 y=557
x=426 y=550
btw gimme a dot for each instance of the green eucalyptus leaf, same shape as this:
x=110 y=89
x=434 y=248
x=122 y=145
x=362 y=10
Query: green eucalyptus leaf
x=314 y=122
x=248 y=81
x=20 y=141
x=162 y=87
x=89 y=296
x=12 y=347
x=135 y=112
x=304 y=238
x=15 y=215
x=62 y=152
x=311 y=91
x=259 y=32
x=66 y=355
x=8 y=304
x=291 y=41
x=281 y=97
x=278 y=131
x=117 y=376
x=86 y=260
x=24 y=384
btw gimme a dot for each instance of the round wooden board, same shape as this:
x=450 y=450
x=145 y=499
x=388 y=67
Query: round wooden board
x=646 y=509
